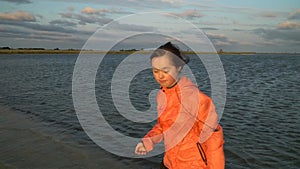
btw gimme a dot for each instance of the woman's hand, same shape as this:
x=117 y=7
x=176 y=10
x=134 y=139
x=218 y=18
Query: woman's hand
x=140 y=149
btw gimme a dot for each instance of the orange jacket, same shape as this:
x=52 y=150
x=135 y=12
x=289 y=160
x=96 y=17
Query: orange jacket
x=186 y=117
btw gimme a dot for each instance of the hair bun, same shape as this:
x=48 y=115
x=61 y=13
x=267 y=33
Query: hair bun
x=168 y=45
x=175 y=50
x=185 y=58
x=179 y=58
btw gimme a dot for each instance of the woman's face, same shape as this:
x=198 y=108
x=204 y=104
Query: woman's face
x=164 y=70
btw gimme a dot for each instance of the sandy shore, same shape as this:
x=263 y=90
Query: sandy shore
x=3 y=166
x=23 y=145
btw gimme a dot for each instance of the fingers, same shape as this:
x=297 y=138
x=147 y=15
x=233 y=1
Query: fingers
x=140 y=149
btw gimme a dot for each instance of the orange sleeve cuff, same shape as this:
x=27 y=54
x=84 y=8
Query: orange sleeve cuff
x=148 y=143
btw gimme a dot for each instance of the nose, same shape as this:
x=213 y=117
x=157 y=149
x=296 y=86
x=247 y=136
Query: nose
x=160 y=75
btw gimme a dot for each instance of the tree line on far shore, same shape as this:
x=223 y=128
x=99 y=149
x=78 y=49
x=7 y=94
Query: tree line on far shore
x=9 y=48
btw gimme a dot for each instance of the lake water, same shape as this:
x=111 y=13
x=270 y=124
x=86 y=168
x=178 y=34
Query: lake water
x=39 y=127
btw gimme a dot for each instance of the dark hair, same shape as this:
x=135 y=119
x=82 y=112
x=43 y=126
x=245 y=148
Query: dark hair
x=177 y=57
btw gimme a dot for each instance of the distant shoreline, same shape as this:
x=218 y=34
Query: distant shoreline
x=76 y=51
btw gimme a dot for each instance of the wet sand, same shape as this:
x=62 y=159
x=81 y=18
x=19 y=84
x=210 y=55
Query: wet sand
x=3 y=166
x=23 y=145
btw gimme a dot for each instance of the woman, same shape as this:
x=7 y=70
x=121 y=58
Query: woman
x=187 y=121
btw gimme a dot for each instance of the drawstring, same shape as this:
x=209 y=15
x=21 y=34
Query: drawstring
x=202 y=153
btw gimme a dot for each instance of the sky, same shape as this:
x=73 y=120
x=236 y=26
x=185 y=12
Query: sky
x=231 y=25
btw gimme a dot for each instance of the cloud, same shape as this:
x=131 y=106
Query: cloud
x=237 y=30
x=145 y=41
x=17 y=16
x=288 y=25
x=62 y=23
x=66 y=15
x=268 y=14
x=83 y=19
x=20 y=37
x=71 y=8
x=103 y=11
x=38 y=40
x=89 y=15
x=91 y=11
x=279 y=34
x=295 y=14
x=139 y=5
x=190 y=14
x=172 y=1
x=18 y=1
x=209 y=28
x=131 y=27
x=40 y=27
x=220 y=39
x=9 y=32
x=17 y=33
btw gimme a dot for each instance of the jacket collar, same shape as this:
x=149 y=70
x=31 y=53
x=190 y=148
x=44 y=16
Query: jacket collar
x=183 y=81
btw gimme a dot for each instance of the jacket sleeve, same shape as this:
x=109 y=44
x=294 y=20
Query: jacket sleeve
x=154 y=136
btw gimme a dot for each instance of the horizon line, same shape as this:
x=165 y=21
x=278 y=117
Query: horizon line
x=8 y=50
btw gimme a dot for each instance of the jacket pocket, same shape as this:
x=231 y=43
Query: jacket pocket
x=215 y=141
x=214 y=150
x=188 y=153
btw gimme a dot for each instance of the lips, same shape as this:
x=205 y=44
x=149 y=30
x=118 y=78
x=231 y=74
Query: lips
x=162 y=81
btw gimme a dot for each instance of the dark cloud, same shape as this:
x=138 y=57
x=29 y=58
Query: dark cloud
x=44 y=42
x=219 y=39
x=295 y=15
x=62 y=23
x=31 y=35
x=131 y=27
x=25 y=38
x=279 y=34
x=66 y=15
x=189 y=14
x=238 y=30
x=40 y=27
x=209 y=29
x=18 y=1
x=13 y=32
x=84 y=19
x=92 y=19
x=141 y=41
